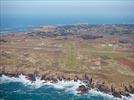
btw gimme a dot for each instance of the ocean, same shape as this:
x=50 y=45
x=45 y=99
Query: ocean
x=20 y=88
x=26 y=15
x=22 y=23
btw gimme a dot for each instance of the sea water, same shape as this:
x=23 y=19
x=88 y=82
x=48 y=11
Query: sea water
x=20 y=88
x=23 y=15
x=23 y=23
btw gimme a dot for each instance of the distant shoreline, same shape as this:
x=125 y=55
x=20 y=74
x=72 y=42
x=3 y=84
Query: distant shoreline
x=100 y=55
x=14 y=30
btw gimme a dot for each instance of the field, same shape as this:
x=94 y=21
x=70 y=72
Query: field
x=106 y=59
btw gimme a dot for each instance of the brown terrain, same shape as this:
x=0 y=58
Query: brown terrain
x=101 y=54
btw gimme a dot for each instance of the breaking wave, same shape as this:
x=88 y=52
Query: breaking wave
x=67 y=86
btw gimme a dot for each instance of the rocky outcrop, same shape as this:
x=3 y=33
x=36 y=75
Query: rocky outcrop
x=82 y=89
x=116 y=94
x=129 y=89
x=103 y=88
x=31 y=77
x=86 y=78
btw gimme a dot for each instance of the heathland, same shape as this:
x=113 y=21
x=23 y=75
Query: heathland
x=103 y=53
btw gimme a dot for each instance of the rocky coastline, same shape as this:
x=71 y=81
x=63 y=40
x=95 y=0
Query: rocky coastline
x=103 y=60
x=90 y=82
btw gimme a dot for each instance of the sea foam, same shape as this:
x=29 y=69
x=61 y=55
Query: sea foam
x=68 y=86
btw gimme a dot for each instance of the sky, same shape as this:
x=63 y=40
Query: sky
x=119 y=9
x=73 y=7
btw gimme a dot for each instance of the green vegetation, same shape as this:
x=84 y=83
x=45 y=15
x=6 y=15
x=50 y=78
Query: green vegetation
x=86 y=37
x=85 y=49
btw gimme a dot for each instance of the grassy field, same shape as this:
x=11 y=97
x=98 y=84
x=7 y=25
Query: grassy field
x=71 y=55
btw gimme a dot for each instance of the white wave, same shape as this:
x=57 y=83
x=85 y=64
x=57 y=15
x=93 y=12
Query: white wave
x=128 y=98
x=21 y=78
x=94 y=92
x=68 y=86
x=38 y=82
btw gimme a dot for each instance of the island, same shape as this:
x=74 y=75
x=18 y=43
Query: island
x=102 y=56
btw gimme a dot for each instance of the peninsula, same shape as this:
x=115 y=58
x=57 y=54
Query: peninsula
x=102 y=56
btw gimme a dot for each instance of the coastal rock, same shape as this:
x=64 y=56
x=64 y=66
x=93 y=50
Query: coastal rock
x=31 y=77
x=11 y=74
x=59 y=77
x=103 y=88
x=125 y=94
x=131 y=89
x=85 y=77
x=48 y=78
x=43 y=77
x=54 y=78
x=79 y=76
x=76 y=79
x=124 y=90
x=116 y=94
x=82 y=89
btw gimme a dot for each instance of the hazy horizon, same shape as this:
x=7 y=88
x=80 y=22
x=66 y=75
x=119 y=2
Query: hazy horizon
x=49 y=12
